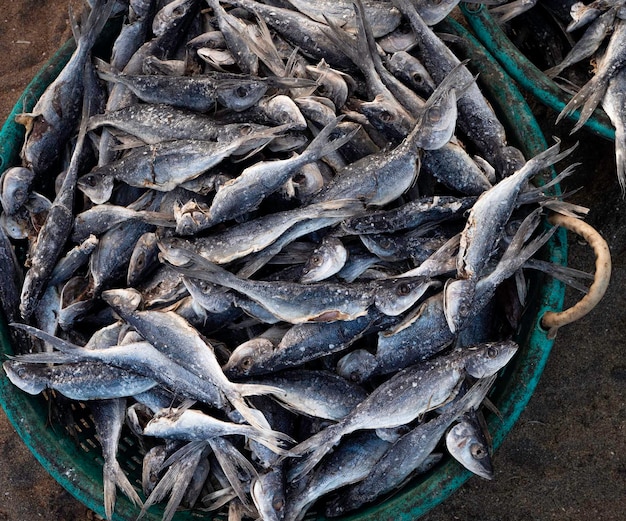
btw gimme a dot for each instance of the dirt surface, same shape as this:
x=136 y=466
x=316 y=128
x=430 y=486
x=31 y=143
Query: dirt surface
x=565 y=457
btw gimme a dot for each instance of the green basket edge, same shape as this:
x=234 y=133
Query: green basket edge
x=84 y=481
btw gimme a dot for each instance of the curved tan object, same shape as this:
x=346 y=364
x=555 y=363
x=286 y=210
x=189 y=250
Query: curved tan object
x=551 y=320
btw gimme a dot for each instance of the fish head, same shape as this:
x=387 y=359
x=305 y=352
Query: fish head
x=396 y=296
x=357 y=366
x=458 y=296
x=18 y=226
x=268 y=495
x=386 y=118
x=30 y=378
x=308 y=180
x=467 y=447
x=330 y=84
x=316 y=108
x=97 y=186
x=436 y=125
x=246 y=357
x=125 y=300
x=325 y=261
x=284 y=111
x=15 y=185
x=400 y=40
x=487 y=359
x=240 y=95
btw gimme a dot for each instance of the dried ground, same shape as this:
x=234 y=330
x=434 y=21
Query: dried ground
x=565 y=457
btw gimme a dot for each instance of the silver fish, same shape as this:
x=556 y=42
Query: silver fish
x=406 y=454
x=407 y=394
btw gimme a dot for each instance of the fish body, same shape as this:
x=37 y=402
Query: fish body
x=56 y=114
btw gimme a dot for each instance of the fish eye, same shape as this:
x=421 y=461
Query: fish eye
x=90 y=180
x=417 y=78
x=278 y=504
x=386 y=116
x=317 y=260
x=403 y=289
x=385 y=243
x=434 y=114
x=246 y=362
x=322 y=89
x=241 y=91
x=477 y=451
x=492 y=352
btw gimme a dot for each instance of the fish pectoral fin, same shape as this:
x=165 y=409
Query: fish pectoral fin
x=330 y=316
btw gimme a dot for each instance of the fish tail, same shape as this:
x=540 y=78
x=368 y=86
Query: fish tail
x=175 y=481
x=113 y=477
x=234 y=465
x=588 y=97
x=253 y=416
x=323 y=144
x=315 y=448
x=96 y=20
x=554 y=71
x=620 y=158
x=60 y=344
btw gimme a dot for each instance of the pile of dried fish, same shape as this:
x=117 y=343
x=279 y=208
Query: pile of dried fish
x=285 y=250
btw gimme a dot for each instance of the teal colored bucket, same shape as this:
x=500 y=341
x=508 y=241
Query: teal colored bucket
x=77 y=464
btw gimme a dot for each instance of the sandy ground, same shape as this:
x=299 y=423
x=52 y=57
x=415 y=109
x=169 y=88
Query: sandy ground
x=564 y=459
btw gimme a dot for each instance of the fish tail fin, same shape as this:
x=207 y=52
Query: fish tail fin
x=620 y=158
x=548 y=157
x=87 y=33
x=323 y=144
x=253 y=416
x=175 y=481
x=113 y=478
x=588 y=97
x=235 y=466
x=552 y=72
x=315 y=448
x=266 y=136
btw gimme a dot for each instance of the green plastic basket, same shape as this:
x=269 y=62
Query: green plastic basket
x=77 y=466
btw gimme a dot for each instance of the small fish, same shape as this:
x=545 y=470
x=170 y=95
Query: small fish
x=56 y=114
x=316 y=302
